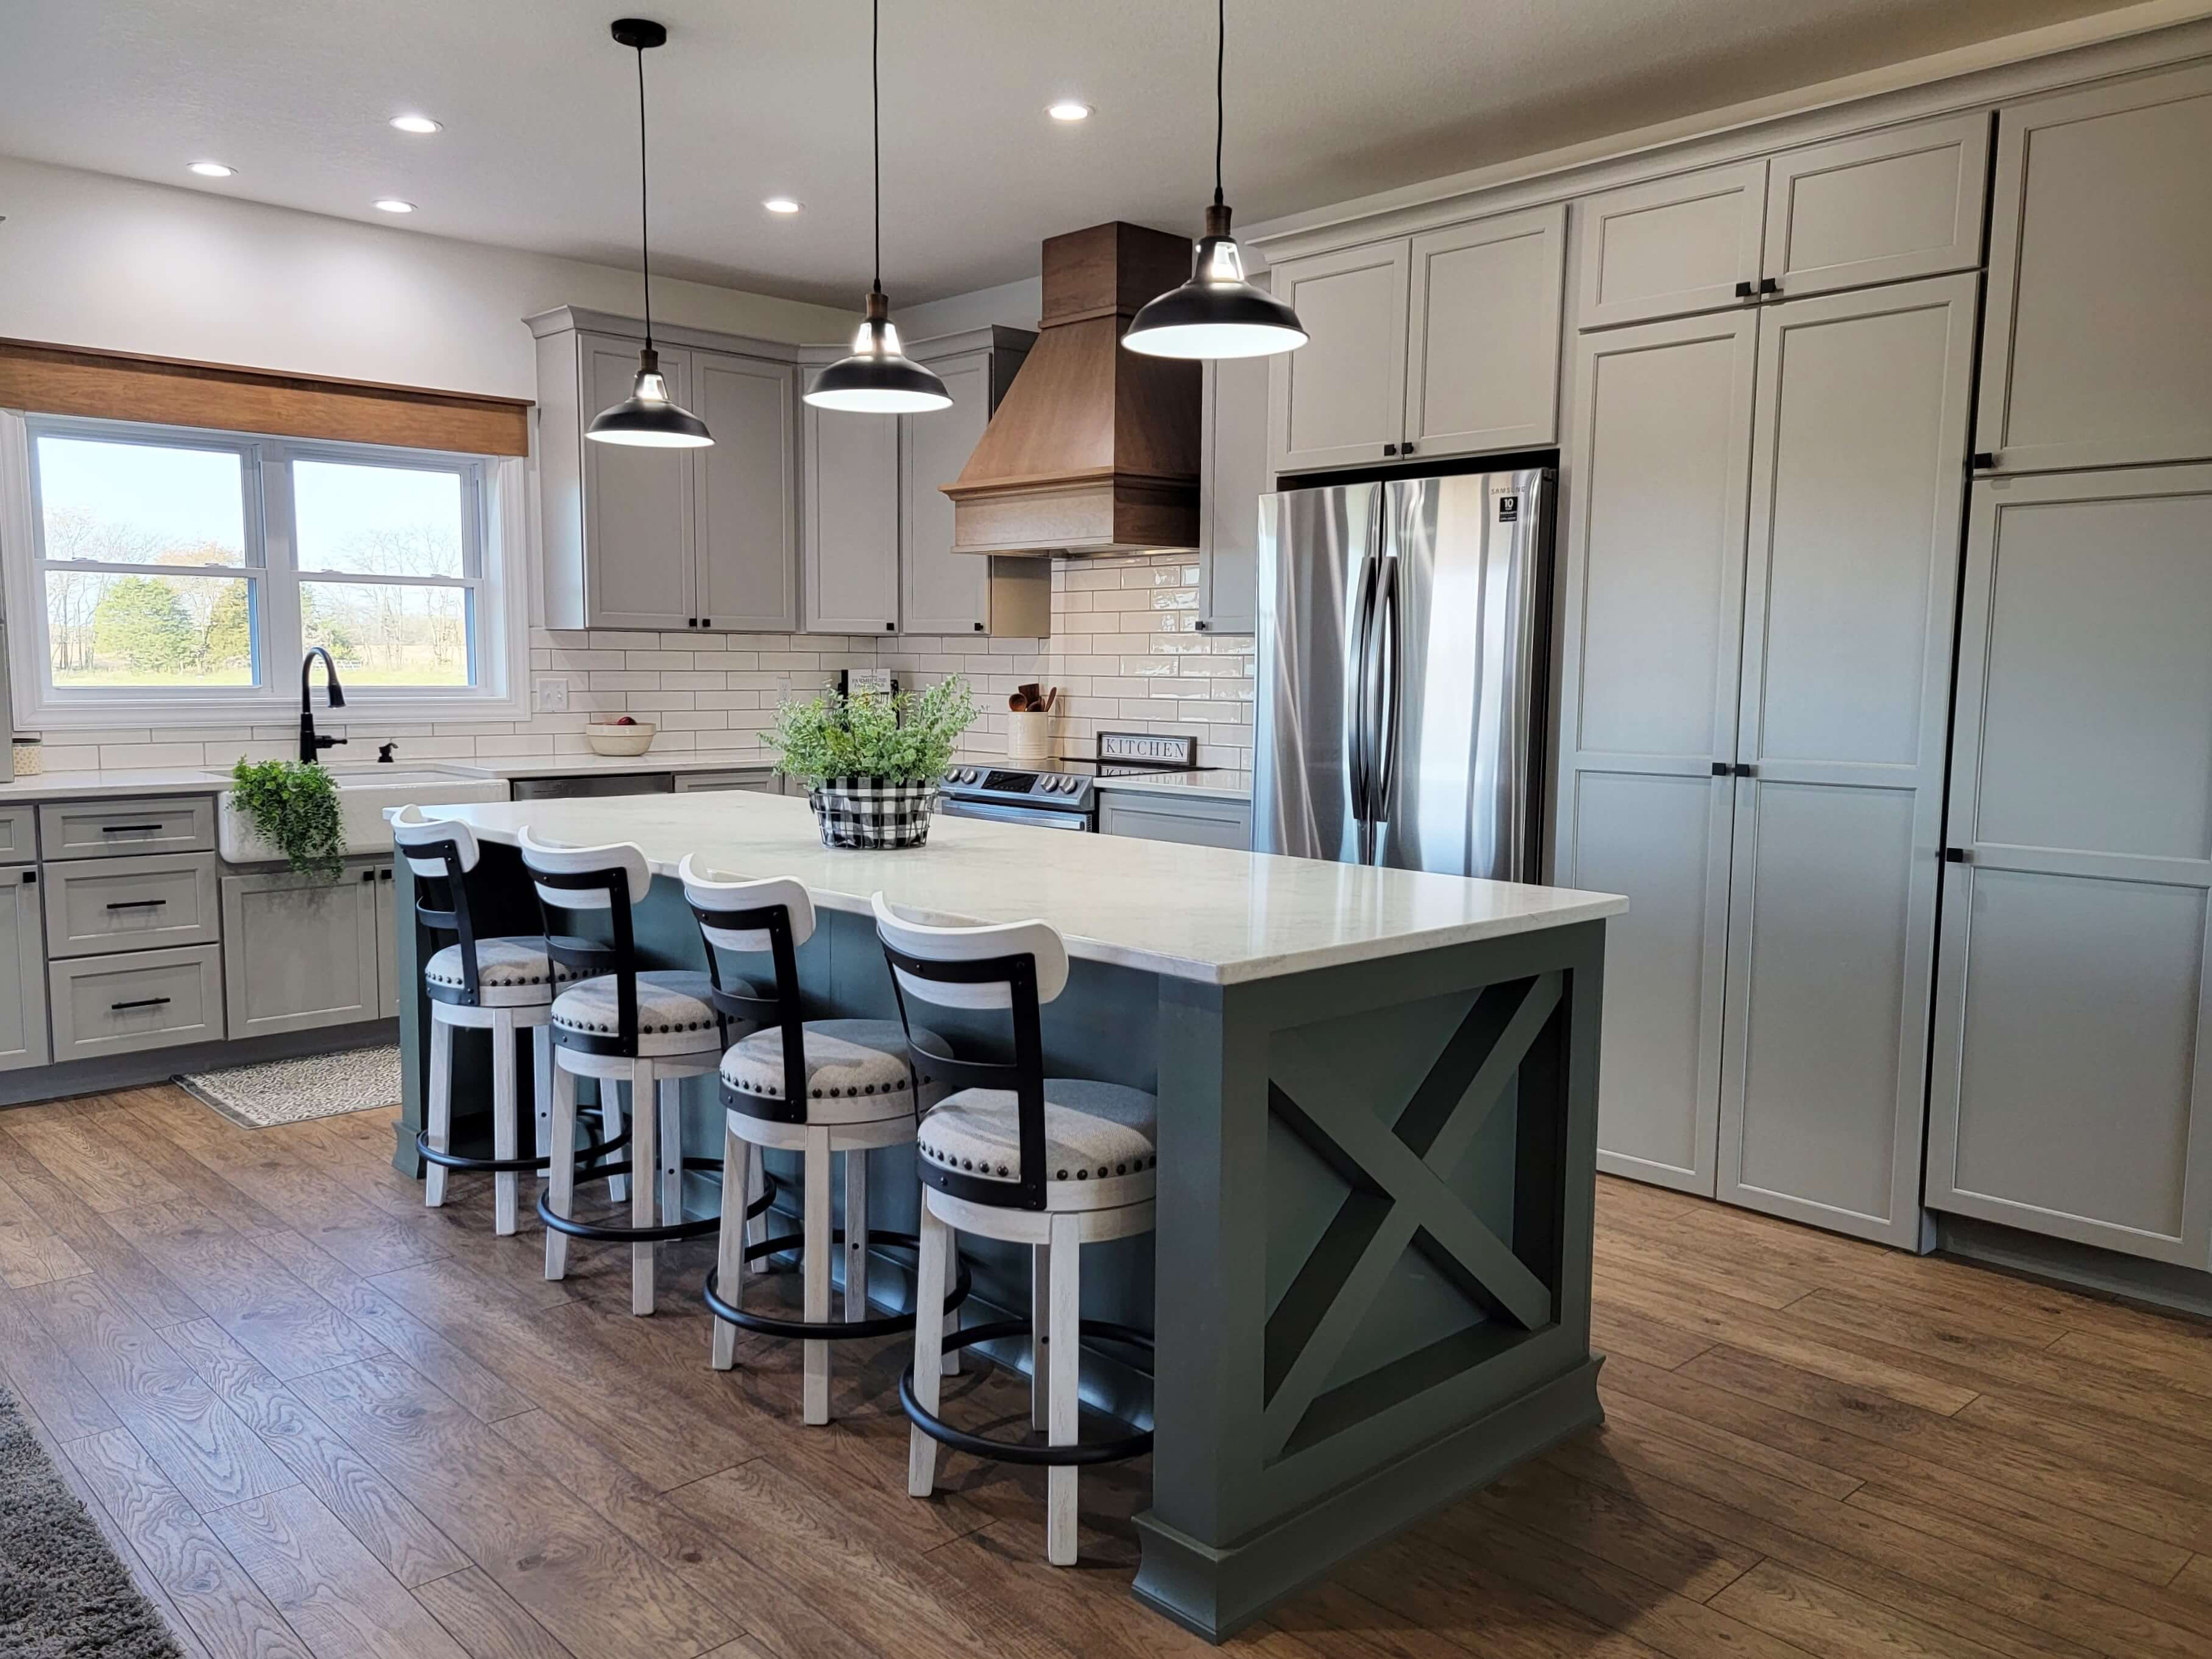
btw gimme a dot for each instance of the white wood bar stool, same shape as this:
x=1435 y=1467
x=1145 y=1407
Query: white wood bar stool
x=821 y=1088
x=643 y=1029
x=1052 y=1162
x=502 y=985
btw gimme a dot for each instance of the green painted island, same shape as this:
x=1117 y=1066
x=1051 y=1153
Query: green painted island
x=1377 y=1105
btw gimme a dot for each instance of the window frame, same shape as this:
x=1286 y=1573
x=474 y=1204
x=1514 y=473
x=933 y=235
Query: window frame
x=492 y=582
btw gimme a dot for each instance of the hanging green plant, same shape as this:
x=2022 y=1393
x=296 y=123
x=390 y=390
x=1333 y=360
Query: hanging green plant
x=294 y=809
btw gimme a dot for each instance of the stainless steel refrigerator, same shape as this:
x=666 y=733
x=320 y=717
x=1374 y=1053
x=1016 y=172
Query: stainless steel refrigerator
x=1404 y=650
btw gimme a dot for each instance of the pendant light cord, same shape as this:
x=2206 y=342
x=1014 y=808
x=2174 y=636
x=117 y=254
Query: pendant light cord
x=1220 y=105
x=876 y=127
x=644 y=222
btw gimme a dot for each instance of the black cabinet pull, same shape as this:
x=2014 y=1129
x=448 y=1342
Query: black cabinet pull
x=142 y=1002
x=1957 y=856
x=979 y=627
x=1743 y=290
x=30 y=879
x=1202 y=625
x=890 y=628
x=1406 y=449
x=1389 y=449
x=1984 y=460
x=1723 y=769
x=129 y=829
x=706 y=621
x=384 y=875
x=1768 y=285
x=138 y=904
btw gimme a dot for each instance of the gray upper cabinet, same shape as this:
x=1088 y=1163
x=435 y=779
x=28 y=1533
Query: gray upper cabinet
x=851 y=523
x=1672 y=247
x=1340 y=398
x=2097 y=351
x=301 y=954
x=1232 y=477
x=2069 y=1097
x=1482 y=358
x=942 y=592
x=1653 y=604
x=667 y=540
x=1857 y=488
x=745 y=514
x=1881 y=208
x=23 y=973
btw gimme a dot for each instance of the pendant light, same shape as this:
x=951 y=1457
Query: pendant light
x=1217 y=313
x=879 y=378
x=648 y=418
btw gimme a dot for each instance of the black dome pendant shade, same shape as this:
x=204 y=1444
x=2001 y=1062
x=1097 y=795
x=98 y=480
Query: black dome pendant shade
x=1217 y=313
x=648 y=418
x=879 y=378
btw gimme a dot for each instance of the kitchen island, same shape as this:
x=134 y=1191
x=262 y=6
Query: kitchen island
x=1378 y=1103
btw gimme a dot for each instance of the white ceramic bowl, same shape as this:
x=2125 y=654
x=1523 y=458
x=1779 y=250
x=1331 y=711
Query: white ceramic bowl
x=620 y=739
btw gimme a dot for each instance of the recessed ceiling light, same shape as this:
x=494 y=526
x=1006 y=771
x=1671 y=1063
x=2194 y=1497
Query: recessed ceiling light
x=1068 y=110
x=211 y=169
x=781 y=204
x=394 y=204
x=414 y=123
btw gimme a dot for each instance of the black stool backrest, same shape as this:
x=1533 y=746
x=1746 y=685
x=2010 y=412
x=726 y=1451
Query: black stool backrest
x=774 y=917
x=439 y=855
x=945 y=966
x=584 y=879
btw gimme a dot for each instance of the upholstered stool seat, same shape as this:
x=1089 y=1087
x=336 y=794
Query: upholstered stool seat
x=510 y=972
x=825 y=1089
x=1097 y=1137
x=674 y=1013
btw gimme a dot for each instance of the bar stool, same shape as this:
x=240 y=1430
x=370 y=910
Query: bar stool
x=1052 y=1162
x=502 y=985
x=645 y=1030
x=818 y=1087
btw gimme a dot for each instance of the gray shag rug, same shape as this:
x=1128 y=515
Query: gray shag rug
x=276 y=1091
x=64 y=1594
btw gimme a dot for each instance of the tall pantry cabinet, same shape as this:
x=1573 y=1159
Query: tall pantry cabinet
x=2069 y=1095
x=1764 y=522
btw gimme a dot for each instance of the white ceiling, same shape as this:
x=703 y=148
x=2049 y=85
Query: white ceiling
x=1328 y=100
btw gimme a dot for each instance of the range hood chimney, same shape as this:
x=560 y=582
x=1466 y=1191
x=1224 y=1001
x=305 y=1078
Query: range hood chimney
x=1093 y=449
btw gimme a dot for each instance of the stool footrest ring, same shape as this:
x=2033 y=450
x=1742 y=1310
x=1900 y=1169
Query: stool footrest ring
x=1027 y=1452
x=605 y=1233
x=592 y=1148
x=803 y=1330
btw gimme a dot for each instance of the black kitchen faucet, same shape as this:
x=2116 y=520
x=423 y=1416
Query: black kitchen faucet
x=310 y=744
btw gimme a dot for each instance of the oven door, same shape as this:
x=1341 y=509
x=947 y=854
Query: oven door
x=951 y=807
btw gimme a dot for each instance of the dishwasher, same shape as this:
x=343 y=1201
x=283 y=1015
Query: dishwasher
x=577 y=788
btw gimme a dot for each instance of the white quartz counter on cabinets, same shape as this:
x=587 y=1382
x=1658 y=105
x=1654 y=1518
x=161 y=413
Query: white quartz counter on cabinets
x=1197 y=913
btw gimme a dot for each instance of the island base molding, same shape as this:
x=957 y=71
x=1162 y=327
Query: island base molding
x=1215 y=1592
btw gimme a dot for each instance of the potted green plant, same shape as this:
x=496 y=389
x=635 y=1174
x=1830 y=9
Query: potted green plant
x=295 y=808
x=871 y=763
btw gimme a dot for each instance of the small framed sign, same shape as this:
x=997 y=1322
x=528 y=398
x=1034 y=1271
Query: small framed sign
x=1149 y=747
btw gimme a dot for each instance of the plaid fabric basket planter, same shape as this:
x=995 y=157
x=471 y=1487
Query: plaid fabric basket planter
x=872 y=812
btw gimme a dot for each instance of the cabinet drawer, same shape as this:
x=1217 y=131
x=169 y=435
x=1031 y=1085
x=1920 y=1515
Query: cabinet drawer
x=109 y=829
x=98 y=906
x=19 y=835
x=147 y=1000
x=1194 y=823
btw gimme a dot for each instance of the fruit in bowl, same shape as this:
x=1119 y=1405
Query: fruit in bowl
x=623 y=735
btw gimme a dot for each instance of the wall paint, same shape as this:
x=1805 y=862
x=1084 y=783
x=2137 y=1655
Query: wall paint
x=90 y=260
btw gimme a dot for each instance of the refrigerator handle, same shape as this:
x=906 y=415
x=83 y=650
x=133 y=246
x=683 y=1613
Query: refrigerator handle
x=1362 y=723
x=1384 y=744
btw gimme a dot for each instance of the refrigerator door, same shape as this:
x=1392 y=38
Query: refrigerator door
x=1318 y=577
x=1462 y=649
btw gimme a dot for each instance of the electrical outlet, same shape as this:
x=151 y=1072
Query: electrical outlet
x=553 y=696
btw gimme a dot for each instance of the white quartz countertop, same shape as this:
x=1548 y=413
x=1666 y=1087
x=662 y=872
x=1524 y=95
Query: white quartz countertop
x=208 y=780
x=1198 y=913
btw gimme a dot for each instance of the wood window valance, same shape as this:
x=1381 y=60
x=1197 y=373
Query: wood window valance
x=52 y=379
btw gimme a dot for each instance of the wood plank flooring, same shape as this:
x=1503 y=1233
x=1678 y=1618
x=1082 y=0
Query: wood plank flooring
x=321 y=1422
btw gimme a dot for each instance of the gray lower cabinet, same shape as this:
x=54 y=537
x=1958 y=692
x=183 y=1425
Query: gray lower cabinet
x=119 y=1005
x=23 y=973
x=1195 y=819
x=301 y=954
x=2070 y=1096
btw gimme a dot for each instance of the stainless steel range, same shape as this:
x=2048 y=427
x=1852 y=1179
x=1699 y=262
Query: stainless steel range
x=1063 y=795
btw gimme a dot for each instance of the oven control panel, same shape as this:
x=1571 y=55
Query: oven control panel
x=1011 y=784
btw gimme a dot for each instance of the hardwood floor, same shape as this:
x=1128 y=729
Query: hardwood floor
x=318 y=1420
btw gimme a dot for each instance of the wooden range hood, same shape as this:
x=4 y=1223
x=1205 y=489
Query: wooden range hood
x=1093 y=449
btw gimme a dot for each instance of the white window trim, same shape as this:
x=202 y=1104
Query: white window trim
x=502 y=607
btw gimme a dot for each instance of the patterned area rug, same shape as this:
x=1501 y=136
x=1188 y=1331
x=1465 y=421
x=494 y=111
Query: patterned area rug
x=294 y=1090
x=64 y=1594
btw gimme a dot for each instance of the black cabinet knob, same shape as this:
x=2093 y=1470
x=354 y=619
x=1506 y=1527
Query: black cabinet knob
x=1389 y=449
x=1768 y=285
x=1986 y=460
x=890 y=628
x=979 y=627
x=1743 y=290
x=1407 y=450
